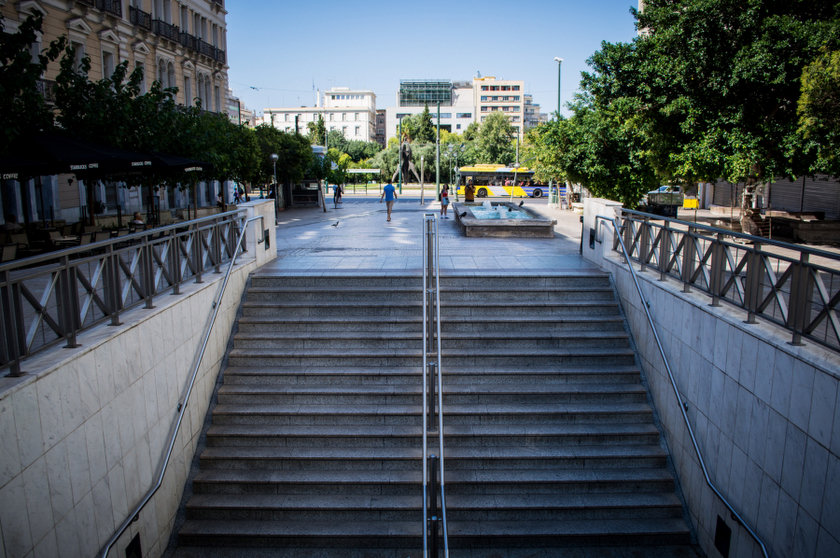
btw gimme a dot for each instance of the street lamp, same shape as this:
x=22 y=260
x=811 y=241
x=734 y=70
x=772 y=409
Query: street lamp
x=274 y=158
x=559 y=66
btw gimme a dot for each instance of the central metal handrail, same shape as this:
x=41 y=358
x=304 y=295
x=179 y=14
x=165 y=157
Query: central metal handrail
x=182 y=406
x=680 y=403
x=432 y=394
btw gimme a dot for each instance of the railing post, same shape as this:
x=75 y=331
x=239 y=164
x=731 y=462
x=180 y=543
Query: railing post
x=433 y=507
x=716 y=273
x=175 y=261
x=216 y=245
x=689 y=253
x=68 y=302
x=10 y=326
x=628 y=238
x=198 y=251
x=147 y=274
x=752 y=288
x=112 y=285
x=644 y=244
x=664 y=238
x=800 y=297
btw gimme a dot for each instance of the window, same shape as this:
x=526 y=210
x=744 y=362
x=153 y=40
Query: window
x=217 y=96
x=356 y=116
x=107 y=64
x=215 y=35
x=185 y=19
x=457 y=126
x=516 y=88
x=187 y=92
x=358 y=130
x=464 y=115
x=142 y=67
x=196 y=24
x=79 y=54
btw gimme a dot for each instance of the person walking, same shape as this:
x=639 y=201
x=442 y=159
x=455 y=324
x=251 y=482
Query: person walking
x=444 y=201
x=389 y=194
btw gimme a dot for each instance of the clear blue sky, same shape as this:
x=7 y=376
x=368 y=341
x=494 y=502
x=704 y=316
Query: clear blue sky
x=279 y=49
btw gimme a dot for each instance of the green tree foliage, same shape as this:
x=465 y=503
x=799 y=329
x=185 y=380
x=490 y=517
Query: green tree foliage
x=294 y=154
x=360 y=150
x=425 y=131
x=718 y=83
x=316 y=131
x=494 y=141
x=819 y=110
x=21 y=103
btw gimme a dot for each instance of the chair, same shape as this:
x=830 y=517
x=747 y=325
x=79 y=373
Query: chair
x=9 y=253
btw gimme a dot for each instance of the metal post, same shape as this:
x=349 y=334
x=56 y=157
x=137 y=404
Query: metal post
x=68 y=302
x=799 y=303
x=112 y=285
x=433 y=506
x=716 y=273
x=437 y=150
x=688 y=259
x=644 y=244
x=9 y=326
x=559 y=67
x=399 y=155
x=663 y=250
x=146 y=272
x=752 y=288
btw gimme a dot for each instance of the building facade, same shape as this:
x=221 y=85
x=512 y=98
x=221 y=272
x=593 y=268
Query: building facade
x=181 y=44
x=456 y=104
x=506 y=96
x=349 y=111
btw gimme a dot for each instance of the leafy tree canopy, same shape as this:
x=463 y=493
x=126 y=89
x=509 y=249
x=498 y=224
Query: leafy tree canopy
x=494 y=141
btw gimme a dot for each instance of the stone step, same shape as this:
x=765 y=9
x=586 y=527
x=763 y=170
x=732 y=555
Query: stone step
x=323 y=376
x=411 y=394
x=453 y=325
x=499 y=282
x=514 y=340
x=398 y=458
x=504 y=295
x=460 y=436
x=452 y=359
x=501 y=481
x=512 y=413
x=327 y=537
x=488 y=310
x=408 y=507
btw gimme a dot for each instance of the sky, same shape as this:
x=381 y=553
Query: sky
x=281 y=51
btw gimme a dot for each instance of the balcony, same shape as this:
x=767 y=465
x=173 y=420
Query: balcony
x=166 y=30
x=140 y=18
x=113 y=7
x=188 y=41
x=202 y=47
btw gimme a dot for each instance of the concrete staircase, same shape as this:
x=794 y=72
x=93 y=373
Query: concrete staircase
x=315 y=443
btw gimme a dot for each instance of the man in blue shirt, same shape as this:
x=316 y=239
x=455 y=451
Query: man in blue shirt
x=389 y=193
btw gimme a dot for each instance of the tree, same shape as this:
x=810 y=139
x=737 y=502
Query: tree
x=819 y=110
x=494 y=142
x=316 y=131
x=424 y=130
x=21 y=102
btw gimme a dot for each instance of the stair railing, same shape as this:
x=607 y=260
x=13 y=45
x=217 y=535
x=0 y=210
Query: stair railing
x=680 y=402
x=182 y=405
x=434 y=518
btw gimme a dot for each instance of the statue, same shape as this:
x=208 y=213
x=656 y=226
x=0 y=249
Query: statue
x=406 y=163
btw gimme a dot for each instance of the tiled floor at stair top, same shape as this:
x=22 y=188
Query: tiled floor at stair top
x=356 y=237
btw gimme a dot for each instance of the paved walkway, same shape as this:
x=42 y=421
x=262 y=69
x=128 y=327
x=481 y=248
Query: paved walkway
x=357 y=238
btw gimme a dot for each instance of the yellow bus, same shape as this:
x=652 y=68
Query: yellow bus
x=499 y=180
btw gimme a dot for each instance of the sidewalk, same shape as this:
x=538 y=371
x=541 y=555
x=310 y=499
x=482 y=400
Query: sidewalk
x=356 y=238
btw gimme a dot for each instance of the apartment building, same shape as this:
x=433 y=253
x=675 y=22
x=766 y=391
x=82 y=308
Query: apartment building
x=350 y=111
x=181 y=44
x=507 y=96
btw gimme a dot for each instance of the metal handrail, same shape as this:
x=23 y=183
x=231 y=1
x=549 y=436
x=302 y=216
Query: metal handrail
x=182 y=406
x=86 y=285
x=781 y=285
x=432 y=378
x=680 y=403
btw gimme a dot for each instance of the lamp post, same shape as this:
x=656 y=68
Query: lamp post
x=559 y=66
x=274 y=158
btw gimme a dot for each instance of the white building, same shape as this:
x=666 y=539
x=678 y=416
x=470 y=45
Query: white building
x=507 y=96
x=351 y=112
x=457 y=110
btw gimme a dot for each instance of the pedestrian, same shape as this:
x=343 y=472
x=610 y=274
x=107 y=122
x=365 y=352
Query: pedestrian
x=236 y=196
x=469 y=192
x=220 y=202
x=389 y=193
x=444 y=201
x=337 y=191
x=136 y=223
